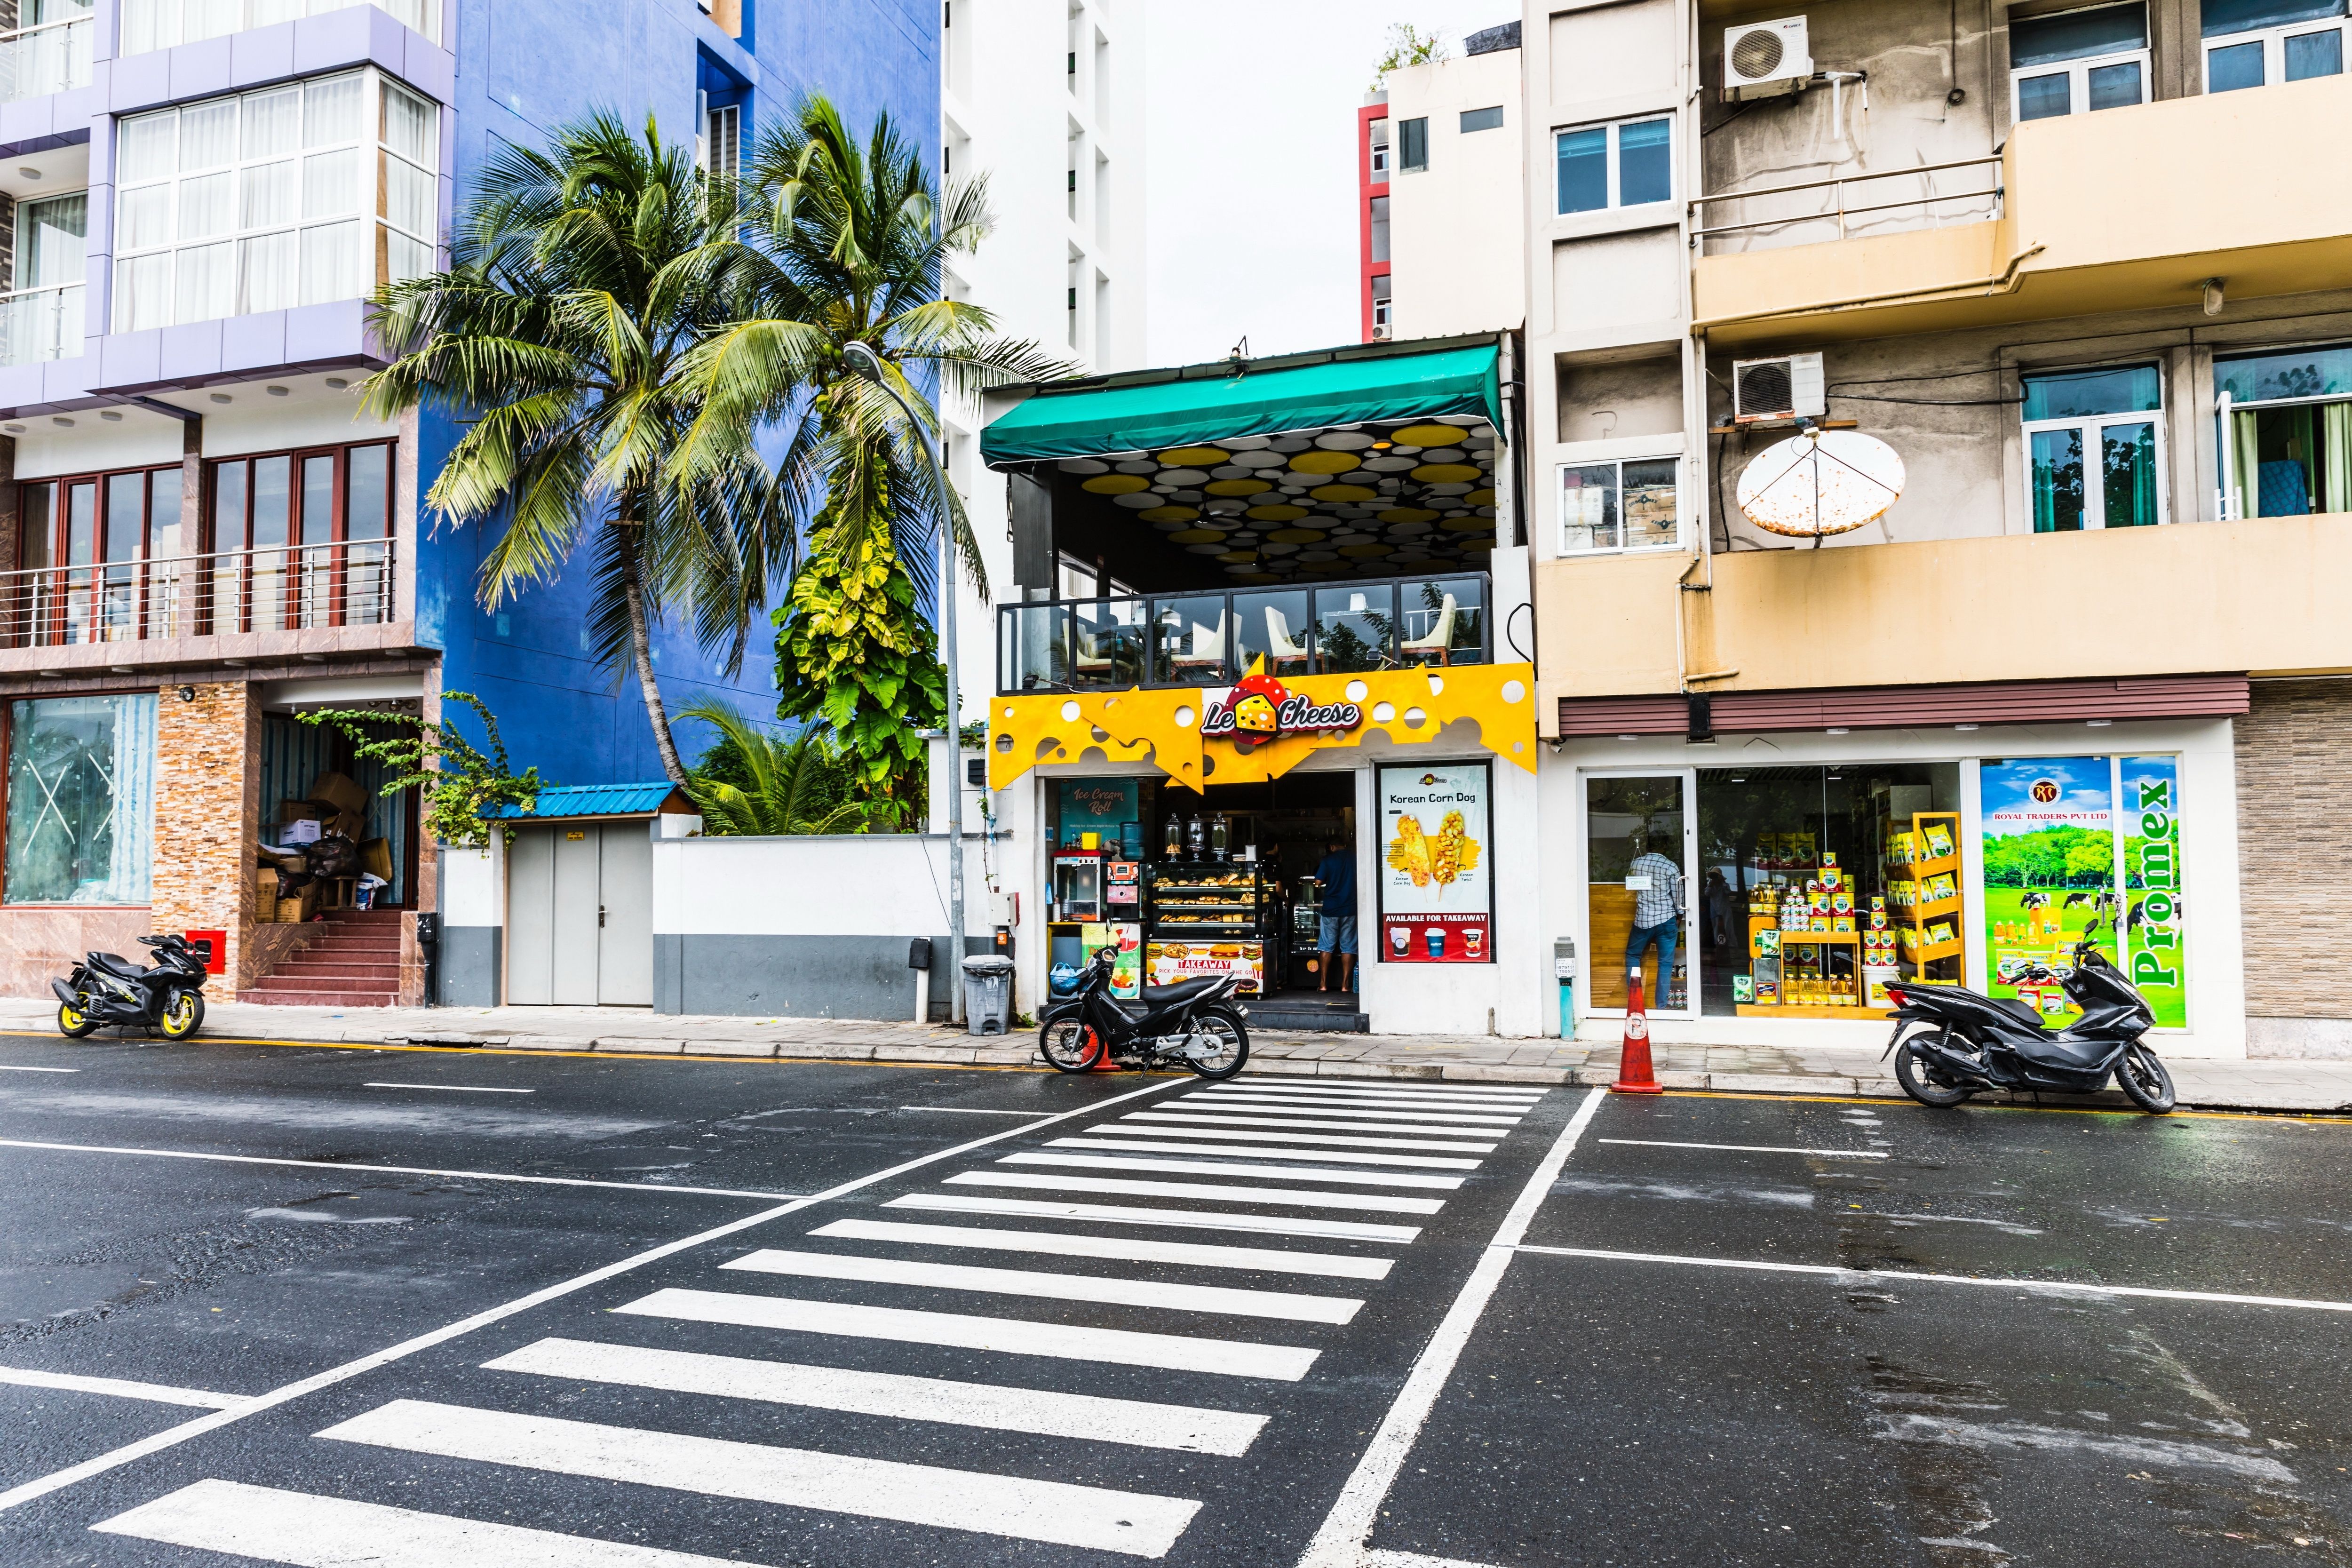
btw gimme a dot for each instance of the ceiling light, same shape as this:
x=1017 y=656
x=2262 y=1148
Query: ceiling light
x=60 y=419
x=1836 y=730
x=2098 y=723
x=1964 y=726
x=1629 y=737
x=111 y=416
x=336 y=383
x=275 y=391
x=13 y=429
x=223 y=397
x=27 y=172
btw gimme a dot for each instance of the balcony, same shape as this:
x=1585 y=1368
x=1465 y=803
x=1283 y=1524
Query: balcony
x=2125 y=209
x=38 y=325
x=49 y=56
x=304 y=588
x=1209 y=637
x=150 y=24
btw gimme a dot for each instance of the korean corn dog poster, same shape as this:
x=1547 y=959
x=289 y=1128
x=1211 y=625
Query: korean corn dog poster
x=1436 y=865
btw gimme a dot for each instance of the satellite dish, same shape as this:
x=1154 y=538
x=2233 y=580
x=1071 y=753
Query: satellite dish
x=1819 y=483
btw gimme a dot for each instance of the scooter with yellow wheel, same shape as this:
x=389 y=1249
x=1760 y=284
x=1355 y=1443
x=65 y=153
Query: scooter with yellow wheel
x=105 y=988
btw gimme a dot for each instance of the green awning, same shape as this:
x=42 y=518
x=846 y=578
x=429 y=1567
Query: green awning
x=1209 y=404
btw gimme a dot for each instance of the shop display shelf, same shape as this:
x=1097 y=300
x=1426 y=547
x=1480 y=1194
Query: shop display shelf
x=1795 y=1010
x=1809 y=938
x=1916 y=914
x=1930 y=952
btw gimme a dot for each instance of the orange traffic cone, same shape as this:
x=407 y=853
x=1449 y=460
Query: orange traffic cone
x=1101 y=1052
x=1633 y=1072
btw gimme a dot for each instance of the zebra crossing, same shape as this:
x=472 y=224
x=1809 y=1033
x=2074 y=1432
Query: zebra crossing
x=1236 y=1200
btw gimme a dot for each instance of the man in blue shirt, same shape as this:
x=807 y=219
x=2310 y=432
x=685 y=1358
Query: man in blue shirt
x=1336 y=875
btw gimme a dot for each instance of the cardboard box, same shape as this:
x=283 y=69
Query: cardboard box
x=338 y=792
x=302 y=811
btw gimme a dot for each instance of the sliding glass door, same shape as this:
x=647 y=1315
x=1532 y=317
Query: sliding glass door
x=1639 y=844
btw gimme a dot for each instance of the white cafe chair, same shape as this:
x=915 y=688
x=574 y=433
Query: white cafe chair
x=1279 y=649
x=1439 y=640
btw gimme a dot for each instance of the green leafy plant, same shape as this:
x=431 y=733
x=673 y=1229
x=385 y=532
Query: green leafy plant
x=752 y=783
x=1408 y=46
x=457 y=781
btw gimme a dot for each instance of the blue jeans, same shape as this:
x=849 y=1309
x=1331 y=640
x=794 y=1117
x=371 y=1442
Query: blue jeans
x=1662 y=933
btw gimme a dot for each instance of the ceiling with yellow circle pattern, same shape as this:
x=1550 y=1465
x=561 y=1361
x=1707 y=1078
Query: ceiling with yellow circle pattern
x=1354 y=500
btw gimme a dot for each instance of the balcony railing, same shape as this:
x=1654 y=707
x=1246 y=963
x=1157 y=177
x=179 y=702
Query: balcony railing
x=159 y=24
x=1793 y=221
x=41 y=324
x=274 y=588
x=46 y=59
x=1211 y=637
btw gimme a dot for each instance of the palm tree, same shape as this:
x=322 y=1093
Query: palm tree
x=583 y=279
x=788 y=787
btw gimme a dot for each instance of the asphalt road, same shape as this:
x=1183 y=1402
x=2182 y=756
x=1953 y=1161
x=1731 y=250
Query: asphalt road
x=667 y=1313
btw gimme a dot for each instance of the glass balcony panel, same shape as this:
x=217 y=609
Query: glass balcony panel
x=41 y=324
x=1272 y=624
x=154 y=595
x=1191 y=641
x=1034 y=651
x=49 y=57
x=1107 y=645
x=1355 y=628
x=1442 y=622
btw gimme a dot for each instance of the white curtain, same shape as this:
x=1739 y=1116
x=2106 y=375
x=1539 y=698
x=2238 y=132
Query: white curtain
x=207 y=282
x=129 y=875
x=408 y=126
x=150 y=24
x=273 y=123
x=50 y=243
x=330 y=112
x=270 y=273
x=145 y=147
x=332 y=257
x=332 y=183
x=407 y=197
x=272 y=195
x=207 y=205
x=142 y=294
x=208 y=135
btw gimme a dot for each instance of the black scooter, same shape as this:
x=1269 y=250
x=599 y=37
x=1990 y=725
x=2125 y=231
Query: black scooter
x=1192 y=1024
x=1972 y=1042
x=108 y=989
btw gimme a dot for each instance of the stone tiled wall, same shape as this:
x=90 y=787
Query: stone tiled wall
x=208 y=815
x=2295 y=749
x=41 y=945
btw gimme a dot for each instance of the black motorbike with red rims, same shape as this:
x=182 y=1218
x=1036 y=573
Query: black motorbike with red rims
x=1196 y=1025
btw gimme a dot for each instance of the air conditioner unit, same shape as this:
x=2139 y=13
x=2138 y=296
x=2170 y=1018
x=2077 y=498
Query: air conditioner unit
x=1763 y=60
x=1789 y=387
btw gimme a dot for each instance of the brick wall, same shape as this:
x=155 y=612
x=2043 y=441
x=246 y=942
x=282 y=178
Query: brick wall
x=2295 y=749
x=207 y=815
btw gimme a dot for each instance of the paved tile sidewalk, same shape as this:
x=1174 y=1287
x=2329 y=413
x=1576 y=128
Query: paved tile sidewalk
x=2261 y=1085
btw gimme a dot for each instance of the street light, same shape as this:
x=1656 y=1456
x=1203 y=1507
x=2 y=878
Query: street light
x=864 y=361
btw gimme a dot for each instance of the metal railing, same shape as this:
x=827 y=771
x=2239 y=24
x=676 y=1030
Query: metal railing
x=1211 y=637
x=41 y=324
x=48 y=58
x=1843 y=212
x=272 y=588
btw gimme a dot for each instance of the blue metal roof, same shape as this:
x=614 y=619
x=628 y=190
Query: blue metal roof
x=593 y=800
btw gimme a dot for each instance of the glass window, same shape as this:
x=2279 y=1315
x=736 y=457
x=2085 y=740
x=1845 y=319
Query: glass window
x=159 y=24
x=1626 y=164
x=1272 y=624
x=2079 y=61
x=1442 y=622
x=2071 y=421
x=2314 y=54
x=2251 y=42
x=1188 y=638
x=1619 y=505
x=2118 y=86
x=1413 y=144
x=1354 y=627
x=81 y=800
x=2077 y=34
x=2045 y=97
x=261 y=201
x=1482 y=119
x=1106 y=644
x=2239 y=66
x=2286 y=373
x=51 y=240
x=2220 y=17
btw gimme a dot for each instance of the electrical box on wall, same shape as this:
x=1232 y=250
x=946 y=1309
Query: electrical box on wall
x=1766 y=59
x=1787 y=388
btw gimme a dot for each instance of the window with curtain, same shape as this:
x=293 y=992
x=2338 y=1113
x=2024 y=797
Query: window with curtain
x=2094 y=447
x=2289 y=434
x=296 y=194
x=81 y=800
x=50 y=237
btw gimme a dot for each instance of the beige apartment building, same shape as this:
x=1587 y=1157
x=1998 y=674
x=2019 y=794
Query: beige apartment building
x=2064 y=336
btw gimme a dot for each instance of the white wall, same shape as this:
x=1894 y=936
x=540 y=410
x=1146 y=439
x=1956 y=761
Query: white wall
x=856 y=884
x=2216 y=949
x=1457 y=231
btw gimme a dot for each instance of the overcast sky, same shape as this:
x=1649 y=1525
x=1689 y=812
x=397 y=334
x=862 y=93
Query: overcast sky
x=1252 y=157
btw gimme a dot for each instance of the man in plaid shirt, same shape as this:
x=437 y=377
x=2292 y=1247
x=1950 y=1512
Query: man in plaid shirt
x=1657 y=913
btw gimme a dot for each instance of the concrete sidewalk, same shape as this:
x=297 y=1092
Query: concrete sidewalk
x=2260 y=1085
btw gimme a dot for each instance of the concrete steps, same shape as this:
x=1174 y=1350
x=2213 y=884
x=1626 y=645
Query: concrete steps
x=354 y=962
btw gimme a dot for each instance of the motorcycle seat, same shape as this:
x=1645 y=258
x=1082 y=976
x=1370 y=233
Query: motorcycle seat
x=1183 y=991
x=2024 y=1010
x=119 y=966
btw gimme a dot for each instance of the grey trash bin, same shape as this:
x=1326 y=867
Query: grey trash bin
x=988 y=993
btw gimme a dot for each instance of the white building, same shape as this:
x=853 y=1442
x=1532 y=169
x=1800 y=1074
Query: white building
x=1456 y=246
x=1046 y=101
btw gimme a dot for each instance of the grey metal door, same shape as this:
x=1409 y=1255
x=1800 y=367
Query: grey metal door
x=572 y=982
x=530 y=917
x=624 y=938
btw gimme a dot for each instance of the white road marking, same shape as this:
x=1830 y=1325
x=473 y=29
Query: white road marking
x=1292 y=1152
x=451 y=1087
x=1159 y=1118
x=1384 y=1101
x=1395 y=1086
x=1013 y=1336
x=1075 y=1243
x=1042 y=1412
x=121 y=1388
x=1221 y=1168
x=1224 y=1193
x=1376 y=1559
x=1286 y=1306
x=1129 y=1522
x=966 y=1111
x=10 y=1067
x=273 y=1526
x=396 y=1171
x=2050 y=1286
x=1339 y=1542
x=1189 y=1219
x=41 y=1486
x=1750 y=1148
x=1270 y=1106
x=1336 y=1139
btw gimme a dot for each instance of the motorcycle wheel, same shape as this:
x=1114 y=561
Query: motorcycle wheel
x=184 y=1015
x=2141 y=1075
x=1068 y=1045
x=1912 y=1074
x=73 y=1023
x=1229 y=1036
